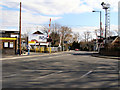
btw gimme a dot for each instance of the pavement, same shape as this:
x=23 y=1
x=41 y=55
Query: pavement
x=105 y=56
x=32 y=54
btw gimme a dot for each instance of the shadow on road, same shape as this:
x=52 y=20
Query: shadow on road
x=96 y=54
x=84 y=54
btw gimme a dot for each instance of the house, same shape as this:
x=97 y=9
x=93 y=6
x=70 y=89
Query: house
x=38 y=39
x=116 y=41
x=112 y=46
x=110 y=39
x=8 y=41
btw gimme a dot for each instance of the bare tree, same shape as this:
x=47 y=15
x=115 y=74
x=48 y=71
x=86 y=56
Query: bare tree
x=45 y=29
x=54 y=28
x=27 y=32
x=66 y=33
x=76 y=37
x=86 y=36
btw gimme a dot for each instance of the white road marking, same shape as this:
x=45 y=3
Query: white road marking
x=12 y=75
x=50 y=74
x=86 y=74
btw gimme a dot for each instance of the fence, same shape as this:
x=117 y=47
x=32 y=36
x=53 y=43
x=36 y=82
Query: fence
x=110 y=52
x=46 y=49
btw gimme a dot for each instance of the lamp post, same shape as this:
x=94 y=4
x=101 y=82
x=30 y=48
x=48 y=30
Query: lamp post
x=100 y=22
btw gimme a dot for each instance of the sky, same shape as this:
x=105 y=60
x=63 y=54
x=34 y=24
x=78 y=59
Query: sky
x=76 y=14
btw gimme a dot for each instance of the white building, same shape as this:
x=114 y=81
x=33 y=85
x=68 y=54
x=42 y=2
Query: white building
x=38 y=38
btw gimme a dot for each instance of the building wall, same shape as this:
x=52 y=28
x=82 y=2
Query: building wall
x=1 y=45
x=38 y=37
x=8 y=50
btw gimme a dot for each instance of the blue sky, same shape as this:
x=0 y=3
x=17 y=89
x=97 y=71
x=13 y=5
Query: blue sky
x=76 y=14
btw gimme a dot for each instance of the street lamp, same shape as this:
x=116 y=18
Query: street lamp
x=100 y=22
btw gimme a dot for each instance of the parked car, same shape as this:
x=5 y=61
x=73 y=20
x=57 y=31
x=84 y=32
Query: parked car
x=76 y=49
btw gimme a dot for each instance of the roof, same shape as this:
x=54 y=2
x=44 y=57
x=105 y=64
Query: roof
x=37 y=32
x=5 y=31
x=112 y=37
x=117 y=40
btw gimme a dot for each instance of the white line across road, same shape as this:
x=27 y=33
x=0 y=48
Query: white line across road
x=86 y=74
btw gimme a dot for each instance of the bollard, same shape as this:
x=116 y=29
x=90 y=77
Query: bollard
x=50 y=49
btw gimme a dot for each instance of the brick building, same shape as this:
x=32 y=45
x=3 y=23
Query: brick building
x=8 y=42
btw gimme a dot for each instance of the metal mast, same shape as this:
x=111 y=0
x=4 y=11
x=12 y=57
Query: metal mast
x=108 y=20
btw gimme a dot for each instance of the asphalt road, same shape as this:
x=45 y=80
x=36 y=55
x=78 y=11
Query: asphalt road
x=73 y=69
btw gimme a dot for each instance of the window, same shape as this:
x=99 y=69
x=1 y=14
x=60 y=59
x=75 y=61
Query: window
x=5 y=45
x=40 y=37
x=8 y=44
x=11 y=44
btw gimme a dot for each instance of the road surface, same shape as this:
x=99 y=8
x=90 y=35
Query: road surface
x=75 y=69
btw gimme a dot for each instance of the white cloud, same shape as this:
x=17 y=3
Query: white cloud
x=57 y=7
x=114 y=27
x=96 y=4
x=11 y=18
x=81 y=30
x=0 y=13
x=51 y=7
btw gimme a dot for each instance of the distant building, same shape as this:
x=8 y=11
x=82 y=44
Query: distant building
x=110 y=39
x=8 y=41
x=38 y=39
x=116 y=41
x=112 y=46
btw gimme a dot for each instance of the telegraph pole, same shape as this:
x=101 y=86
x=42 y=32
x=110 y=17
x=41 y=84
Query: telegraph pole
x=20 y=31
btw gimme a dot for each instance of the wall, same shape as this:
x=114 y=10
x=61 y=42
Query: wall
x=38 y=37
x=10 y=51
x=110 y=53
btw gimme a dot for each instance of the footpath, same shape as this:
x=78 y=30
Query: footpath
x=104 y=56
x=32 y=54
x=26 y=54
